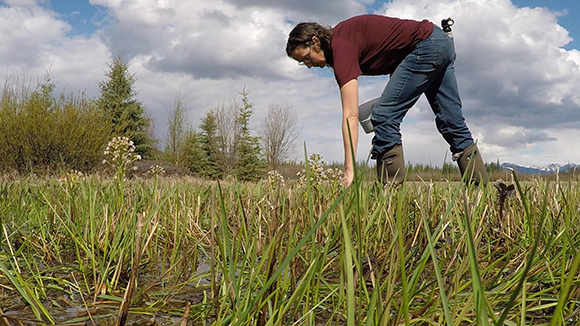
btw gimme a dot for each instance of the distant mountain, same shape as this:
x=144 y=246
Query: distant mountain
x=548 y=169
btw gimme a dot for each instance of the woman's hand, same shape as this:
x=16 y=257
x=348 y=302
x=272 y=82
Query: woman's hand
x=348 y=177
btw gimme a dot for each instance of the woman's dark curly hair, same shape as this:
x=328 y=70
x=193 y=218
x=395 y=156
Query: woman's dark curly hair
x=302 y=35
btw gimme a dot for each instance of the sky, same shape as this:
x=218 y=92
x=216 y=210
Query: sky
x=518 y=66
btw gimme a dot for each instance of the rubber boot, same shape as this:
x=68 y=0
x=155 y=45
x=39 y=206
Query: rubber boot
x=391 y=166
x=472 y=167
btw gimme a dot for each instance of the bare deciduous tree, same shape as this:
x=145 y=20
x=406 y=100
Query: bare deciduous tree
x=279 y=133
x=177 y=127
x=227 y=131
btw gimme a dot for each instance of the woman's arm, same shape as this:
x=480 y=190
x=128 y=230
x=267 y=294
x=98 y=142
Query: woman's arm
x=349 y=98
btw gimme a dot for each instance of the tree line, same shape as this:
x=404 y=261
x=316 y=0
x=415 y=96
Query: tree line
x=41 y=132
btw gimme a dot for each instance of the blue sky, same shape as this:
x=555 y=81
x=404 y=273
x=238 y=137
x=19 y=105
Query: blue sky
x=80 y=14
x=517 y=68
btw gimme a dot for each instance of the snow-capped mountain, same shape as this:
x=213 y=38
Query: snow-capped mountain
x=548 y=169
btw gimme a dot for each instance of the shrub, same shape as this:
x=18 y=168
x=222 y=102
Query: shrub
x=40 y=133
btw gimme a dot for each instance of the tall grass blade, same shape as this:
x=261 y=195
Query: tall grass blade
x=405 y=302
x=284 y=265
x=532 y=252
x=444 y=301
x=124 y=307
x=27 y=294
x=557 y=318
x=478 y=288
x=348 y=271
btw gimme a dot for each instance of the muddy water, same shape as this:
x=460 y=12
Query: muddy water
x=159 y=306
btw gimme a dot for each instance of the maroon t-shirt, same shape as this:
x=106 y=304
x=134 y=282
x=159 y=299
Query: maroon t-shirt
x=374 y=45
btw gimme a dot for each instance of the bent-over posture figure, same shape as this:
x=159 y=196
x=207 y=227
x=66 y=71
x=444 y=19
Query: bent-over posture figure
x=419 y=58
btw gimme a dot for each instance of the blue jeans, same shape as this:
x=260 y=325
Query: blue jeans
x=427 y=70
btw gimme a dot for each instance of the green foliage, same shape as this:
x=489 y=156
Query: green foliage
x=225 y=146
x=193 y=156
x=39 y=132
x=493 y=167
x=449 y=168
x=249 y=165
x=201 y=150
x=117 y=102
x=425 y=253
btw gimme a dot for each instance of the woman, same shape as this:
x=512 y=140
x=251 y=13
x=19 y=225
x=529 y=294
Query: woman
x=419 y=58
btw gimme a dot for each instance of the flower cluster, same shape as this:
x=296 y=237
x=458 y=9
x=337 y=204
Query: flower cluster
x=275 y=180
x=156 y=170
x=320 y=172
x=120 y=154
x=120 y=150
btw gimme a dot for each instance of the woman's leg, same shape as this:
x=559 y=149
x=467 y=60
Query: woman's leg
x=443 y=96
x=413 y=77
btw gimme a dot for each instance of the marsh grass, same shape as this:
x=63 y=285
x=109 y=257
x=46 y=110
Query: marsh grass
x=274 y=253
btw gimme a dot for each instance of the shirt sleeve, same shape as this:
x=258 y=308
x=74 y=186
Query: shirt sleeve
x=346 y=61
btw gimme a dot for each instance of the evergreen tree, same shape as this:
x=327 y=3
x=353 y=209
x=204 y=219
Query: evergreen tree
x=117 y=101
x=208 y=162
x=249 y=165
x=193 y=157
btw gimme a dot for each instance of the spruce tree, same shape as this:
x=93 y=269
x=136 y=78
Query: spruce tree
x=121 y=109
x=193 y=157
x=249 y=164
x=209 y=164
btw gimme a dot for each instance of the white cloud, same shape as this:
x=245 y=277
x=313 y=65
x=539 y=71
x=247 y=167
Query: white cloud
x=78 y=64
x=202 y=39
x=28 y=35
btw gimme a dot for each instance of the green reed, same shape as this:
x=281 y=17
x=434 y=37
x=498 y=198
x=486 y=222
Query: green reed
x=286 y=253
